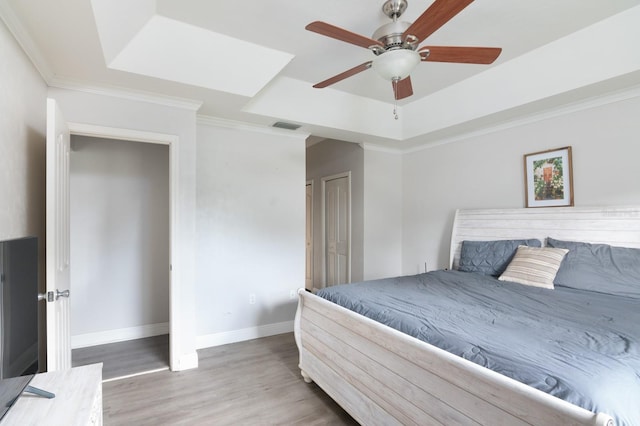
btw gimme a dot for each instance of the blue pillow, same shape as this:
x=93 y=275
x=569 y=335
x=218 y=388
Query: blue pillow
x=599 y=267
x=490 y=257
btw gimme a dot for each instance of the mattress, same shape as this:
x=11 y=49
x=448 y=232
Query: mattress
x=580 y=346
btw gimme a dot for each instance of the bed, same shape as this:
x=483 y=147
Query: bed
x=381 y=375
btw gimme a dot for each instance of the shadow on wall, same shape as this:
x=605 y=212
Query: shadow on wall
x=36 y=175
x=285 y=353
x=278 y=312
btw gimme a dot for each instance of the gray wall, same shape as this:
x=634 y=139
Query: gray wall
x=382 y=214
x=250 y=232
x=22 y=143
x=486 y=171
x=326 y=158
x=22 y=152
x=119 y=235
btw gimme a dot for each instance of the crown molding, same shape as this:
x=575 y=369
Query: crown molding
x=126 y=93
x=207 y=120
x=570 y=108
x=378 y=148
x=24 y=40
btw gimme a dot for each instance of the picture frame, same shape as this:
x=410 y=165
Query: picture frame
x=549 y=178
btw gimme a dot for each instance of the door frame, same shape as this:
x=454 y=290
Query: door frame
x=128 y=135
x=311 y=226
x=323 y=182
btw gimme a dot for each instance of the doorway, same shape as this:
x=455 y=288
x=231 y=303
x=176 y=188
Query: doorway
x=119 y=214
x=171 y=141
x=336 y=197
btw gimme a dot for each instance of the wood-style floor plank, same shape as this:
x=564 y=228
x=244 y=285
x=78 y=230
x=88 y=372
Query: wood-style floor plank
x=126 y=358
x=248 y=383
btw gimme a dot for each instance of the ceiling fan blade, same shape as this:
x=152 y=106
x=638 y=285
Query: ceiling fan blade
x=436 y=15
x=342 y=34
x=343 y=75
x=403 y=89
x=459 y=54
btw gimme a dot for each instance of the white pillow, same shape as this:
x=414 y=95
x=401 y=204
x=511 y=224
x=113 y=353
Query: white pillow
x=535 y=266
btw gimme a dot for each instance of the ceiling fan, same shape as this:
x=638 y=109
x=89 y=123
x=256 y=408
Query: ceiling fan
x=395 y=45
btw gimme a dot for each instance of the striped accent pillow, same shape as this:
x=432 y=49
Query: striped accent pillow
x=535 y=266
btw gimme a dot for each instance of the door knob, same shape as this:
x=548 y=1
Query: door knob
x=59 y=294
x=50 y=296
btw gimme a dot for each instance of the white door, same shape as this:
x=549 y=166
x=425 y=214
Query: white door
x=58 y=324
x=308 y=282
x=337 y=232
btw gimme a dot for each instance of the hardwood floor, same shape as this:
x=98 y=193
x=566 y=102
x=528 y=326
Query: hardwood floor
x=126 y=358
x=248 y=383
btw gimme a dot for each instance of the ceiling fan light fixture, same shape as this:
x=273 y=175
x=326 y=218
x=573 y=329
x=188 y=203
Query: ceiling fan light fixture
x=396 y=64
x=394 y=44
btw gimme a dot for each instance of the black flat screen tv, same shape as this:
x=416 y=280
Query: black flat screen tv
x=18 y=318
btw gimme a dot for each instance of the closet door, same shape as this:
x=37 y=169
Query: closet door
x=337 y=230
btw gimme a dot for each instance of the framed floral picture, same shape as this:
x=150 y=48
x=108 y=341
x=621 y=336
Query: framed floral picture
x=549 y=178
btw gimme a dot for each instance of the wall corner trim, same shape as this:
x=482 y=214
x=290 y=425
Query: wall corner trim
x=187 y=362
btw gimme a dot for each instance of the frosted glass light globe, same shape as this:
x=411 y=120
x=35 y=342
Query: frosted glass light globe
x=396 y=64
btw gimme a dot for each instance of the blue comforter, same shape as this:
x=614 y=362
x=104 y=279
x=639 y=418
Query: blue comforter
x=581 y=346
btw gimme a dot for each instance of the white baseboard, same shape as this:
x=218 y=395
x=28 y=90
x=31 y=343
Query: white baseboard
x=118 y=335
x=217 y=339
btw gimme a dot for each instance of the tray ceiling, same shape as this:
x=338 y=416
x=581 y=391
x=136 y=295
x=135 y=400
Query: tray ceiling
x=253 y=61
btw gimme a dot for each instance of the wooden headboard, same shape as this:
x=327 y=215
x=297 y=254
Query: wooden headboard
x=614 y=225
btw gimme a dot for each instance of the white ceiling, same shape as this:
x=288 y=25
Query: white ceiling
x=253 y=61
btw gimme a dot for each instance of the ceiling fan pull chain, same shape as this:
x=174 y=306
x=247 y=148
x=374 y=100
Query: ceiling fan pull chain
x=395 y=98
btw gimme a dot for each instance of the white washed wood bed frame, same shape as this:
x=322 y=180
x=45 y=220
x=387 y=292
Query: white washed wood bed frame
x=383 y=377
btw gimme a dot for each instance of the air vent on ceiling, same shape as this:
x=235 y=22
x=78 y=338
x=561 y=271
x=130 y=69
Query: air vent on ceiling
x=285 y=125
